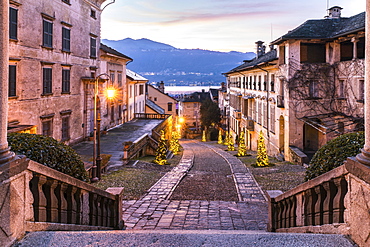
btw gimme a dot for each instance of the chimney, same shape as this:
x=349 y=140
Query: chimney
x=334 y=12
x=260 y=49
x=161 y=87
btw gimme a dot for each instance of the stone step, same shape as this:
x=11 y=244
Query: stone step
x=181 y=238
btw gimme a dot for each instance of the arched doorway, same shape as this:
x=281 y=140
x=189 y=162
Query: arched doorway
x=281 y=134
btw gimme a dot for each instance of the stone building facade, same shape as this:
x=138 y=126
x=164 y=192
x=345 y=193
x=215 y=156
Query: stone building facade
x=53 y=45
x=113 y=110
x=161 y=99
x=136 y=94
x=253 y=100
x=318 y=76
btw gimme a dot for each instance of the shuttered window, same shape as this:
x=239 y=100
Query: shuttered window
x=66 y=39
x=13 y=23
x=47 y=81
x=12 y=81
x=47 y=40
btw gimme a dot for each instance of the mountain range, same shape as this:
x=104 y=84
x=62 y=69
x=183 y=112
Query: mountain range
x=187 y=67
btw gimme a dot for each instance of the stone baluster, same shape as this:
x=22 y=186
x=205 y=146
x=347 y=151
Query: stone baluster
x=338 y=202
x=99 y=208
x=103 y=206
x=93 y=208
x=52 y=200
x=293 y=215
x=331 y=191
x=284 y=213
x=39 y=199
x=287 y=212
x=310 y=207
x=111 y=213
x=85 y=209
x=319 y=208
x=60 y=192
x=280 y=217
x=71 y=204
x=79 y=206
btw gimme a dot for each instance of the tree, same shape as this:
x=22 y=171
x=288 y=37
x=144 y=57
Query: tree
x=174 y=143
x=226 y=140
x=209 y=114
x=161 y=152
x=242 y=149
x=262 y=158
x=219 y=137
x=230 y=145
x=204 y=138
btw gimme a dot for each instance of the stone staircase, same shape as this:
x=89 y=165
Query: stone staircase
x=181 y=238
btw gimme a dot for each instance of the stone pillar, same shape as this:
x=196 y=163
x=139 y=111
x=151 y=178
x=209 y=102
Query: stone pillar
x=5 y=154
x=364 y=156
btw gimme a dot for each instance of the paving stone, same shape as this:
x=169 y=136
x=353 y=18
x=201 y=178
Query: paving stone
x=155 y=211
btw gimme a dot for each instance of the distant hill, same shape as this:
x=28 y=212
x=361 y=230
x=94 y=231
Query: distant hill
x=161 y=62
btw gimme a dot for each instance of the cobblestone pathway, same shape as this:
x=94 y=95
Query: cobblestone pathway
x=155 y=210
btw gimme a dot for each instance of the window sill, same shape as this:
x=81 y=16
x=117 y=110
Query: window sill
x=47 y=47
x=13 y=97
x=47 y=94
x=66 y=92
x=13 y=40
x=66 y=51
x=93 y=57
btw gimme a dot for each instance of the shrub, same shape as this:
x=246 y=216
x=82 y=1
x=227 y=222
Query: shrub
x=334 y=153
x=49 y=152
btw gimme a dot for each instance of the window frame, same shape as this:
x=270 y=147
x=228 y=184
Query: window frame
x=169 y=106
x=12 y=82
x=66 y=128
x=13 y=23
x=47 y=81
x=66 y=80
x=47 y=33
x=93 y=47
x=66 y=39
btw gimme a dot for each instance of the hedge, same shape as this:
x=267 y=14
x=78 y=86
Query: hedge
x=334 y=153
x=49 y=152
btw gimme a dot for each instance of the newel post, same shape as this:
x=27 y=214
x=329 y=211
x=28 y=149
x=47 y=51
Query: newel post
x=118 y=192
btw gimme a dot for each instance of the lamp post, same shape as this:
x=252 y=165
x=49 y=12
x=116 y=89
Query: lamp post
x=96 y=168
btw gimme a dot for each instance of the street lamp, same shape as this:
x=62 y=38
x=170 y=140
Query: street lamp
x=96 y=168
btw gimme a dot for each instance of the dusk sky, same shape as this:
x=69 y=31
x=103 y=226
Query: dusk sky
x=219 y=25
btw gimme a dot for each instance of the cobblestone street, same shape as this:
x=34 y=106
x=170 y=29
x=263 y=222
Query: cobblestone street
x=156 y=210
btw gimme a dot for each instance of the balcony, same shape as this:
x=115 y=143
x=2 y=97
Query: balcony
x=280 y=101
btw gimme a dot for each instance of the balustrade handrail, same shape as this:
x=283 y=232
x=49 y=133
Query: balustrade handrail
x=335 y=173
x=51 y=173
x=60 y=198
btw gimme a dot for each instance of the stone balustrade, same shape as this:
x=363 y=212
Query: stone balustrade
x=37 y=198
x=151 y=116
x=136 y=148
x=330 y=203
